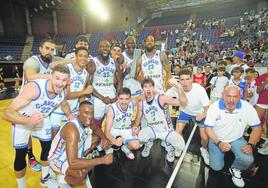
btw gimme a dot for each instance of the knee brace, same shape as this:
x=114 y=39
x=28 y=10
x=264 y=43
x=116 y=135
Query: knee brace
x=20 y=162
x=45 y=150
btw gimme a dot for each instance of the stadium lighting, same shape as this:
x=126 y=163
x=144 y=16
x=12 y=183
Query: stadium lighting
x=104 y=16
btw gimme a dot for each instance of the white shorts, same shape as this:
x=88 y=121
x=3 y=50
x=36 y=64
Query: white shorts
x=21 y=133
x=60 y=165
x=100 y=108
x=126 y=134
x=133 y=85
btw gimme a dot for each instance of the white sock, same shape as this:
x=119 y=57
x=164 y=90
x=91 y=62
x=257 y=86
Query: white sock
x=45 y=171
x=21 y=182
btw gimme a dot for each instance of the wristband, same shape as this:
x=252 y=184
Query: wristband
x=218 y=143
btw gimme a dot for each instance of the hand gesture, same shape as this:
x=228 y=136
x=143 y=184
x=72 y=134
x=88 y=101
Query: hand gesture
x=88 y=90
x=36 y=118
x=105 y=143
x=225 y=146
x=173 y=82
x=247 y=149
x=135 y=130
x=106 y=100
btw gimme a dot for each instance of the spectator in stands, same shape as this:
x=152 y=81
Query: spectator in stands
x=222 y=64
x=2 y=83
x=208 y=76
x=176 y=71
x=225 y=124
x=238 y=60
x=238 y=81
x=199 y=77
x=81 y=41
x=218 y=83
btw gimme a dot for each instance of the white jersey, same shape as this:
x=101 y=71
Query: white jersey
x=122 y=119
x=58 y=145
x=129 y=80
x=43 y=103
x=153 y=68
x=104 y=77
x=156 y=116
x=79 y=80
x=36 y=63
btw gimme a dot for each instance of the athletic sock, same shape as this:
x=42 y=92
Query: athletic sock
x=45 y=171
x=30 y=153
x=21 y=182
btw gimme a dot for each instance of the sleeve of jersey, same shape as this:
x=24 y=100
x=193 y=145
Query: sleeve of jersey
x=204 y=96
x=253 y=118
x=211 y=116
x=31 y=63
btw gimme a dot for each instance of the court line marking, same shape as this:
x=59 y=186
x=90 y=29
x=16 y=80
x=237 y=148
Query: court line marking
x=176 y=169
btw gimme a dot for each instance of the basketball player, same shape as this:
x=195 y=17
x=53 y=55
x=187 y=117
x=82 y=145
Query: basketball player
x=38 y=67
x=29 y=113
x=76 y=90
x=81 y=41
x=105 y=74
x=119 y=123
x=152 y=65
x=131 y=54
x=66 y=155
x=159 y=126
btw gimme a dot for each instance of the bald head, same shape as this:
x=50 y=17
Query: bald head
x=231 y=96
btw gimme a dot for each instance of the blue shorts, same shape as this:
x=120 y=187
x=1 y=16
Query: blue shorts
x=184 y=118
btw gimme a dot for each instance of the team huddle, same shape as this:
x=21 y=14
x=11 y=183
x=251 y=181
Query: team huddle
x=86 y=104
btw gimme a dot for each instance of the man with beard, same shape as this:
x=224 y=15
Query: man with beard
x=29 y=113
x=152 y=65
x=131 y=54
x=104 y=75
x=225 y=125
x=37 y=67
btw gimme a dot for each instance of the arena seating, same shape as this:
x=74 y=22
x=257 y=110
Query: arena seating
x=12 y=46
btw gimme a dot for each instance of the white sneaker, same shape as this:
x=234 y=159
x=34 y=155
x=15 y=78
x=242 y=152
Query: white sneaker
x=205 y=155
x=263 y=150
x=128 y=153
x=236 y=177
x=170 y=155
x=147 y=148
x=178 y=152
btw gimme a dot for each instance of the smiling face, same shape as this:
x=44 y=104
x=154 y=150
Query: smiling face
x=85 y=114
x=115 y=52
x=59 y=81
x=104 y=49
x=131 y=45
x=81 y=58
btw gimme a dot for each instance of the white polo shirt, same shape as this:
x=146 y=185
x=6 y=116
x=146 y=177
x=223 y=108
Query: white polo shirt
x=228 y=126
x=197 y=100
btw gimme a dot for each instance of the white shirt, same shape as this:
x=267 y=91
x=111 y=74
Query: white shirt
x=218 y=84
x=197 y=100
x=227 y=126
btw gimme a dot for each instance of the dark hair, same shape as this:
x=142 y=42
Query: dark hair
x=115 y=44
x=85 y=103
x=177 y=65
x=147 y=81
x=81 y=48
x=222 y=63
x=258 y=74
x=47 y=39
x=250 y=70
x=221 y=69
x=81 y=38
x=237 y=69
x=208 y=65
x=185 y=72
x=125 y=91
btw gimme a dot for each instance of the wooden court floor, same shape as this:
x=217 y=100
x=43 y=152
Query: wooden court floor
x=7 y=154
